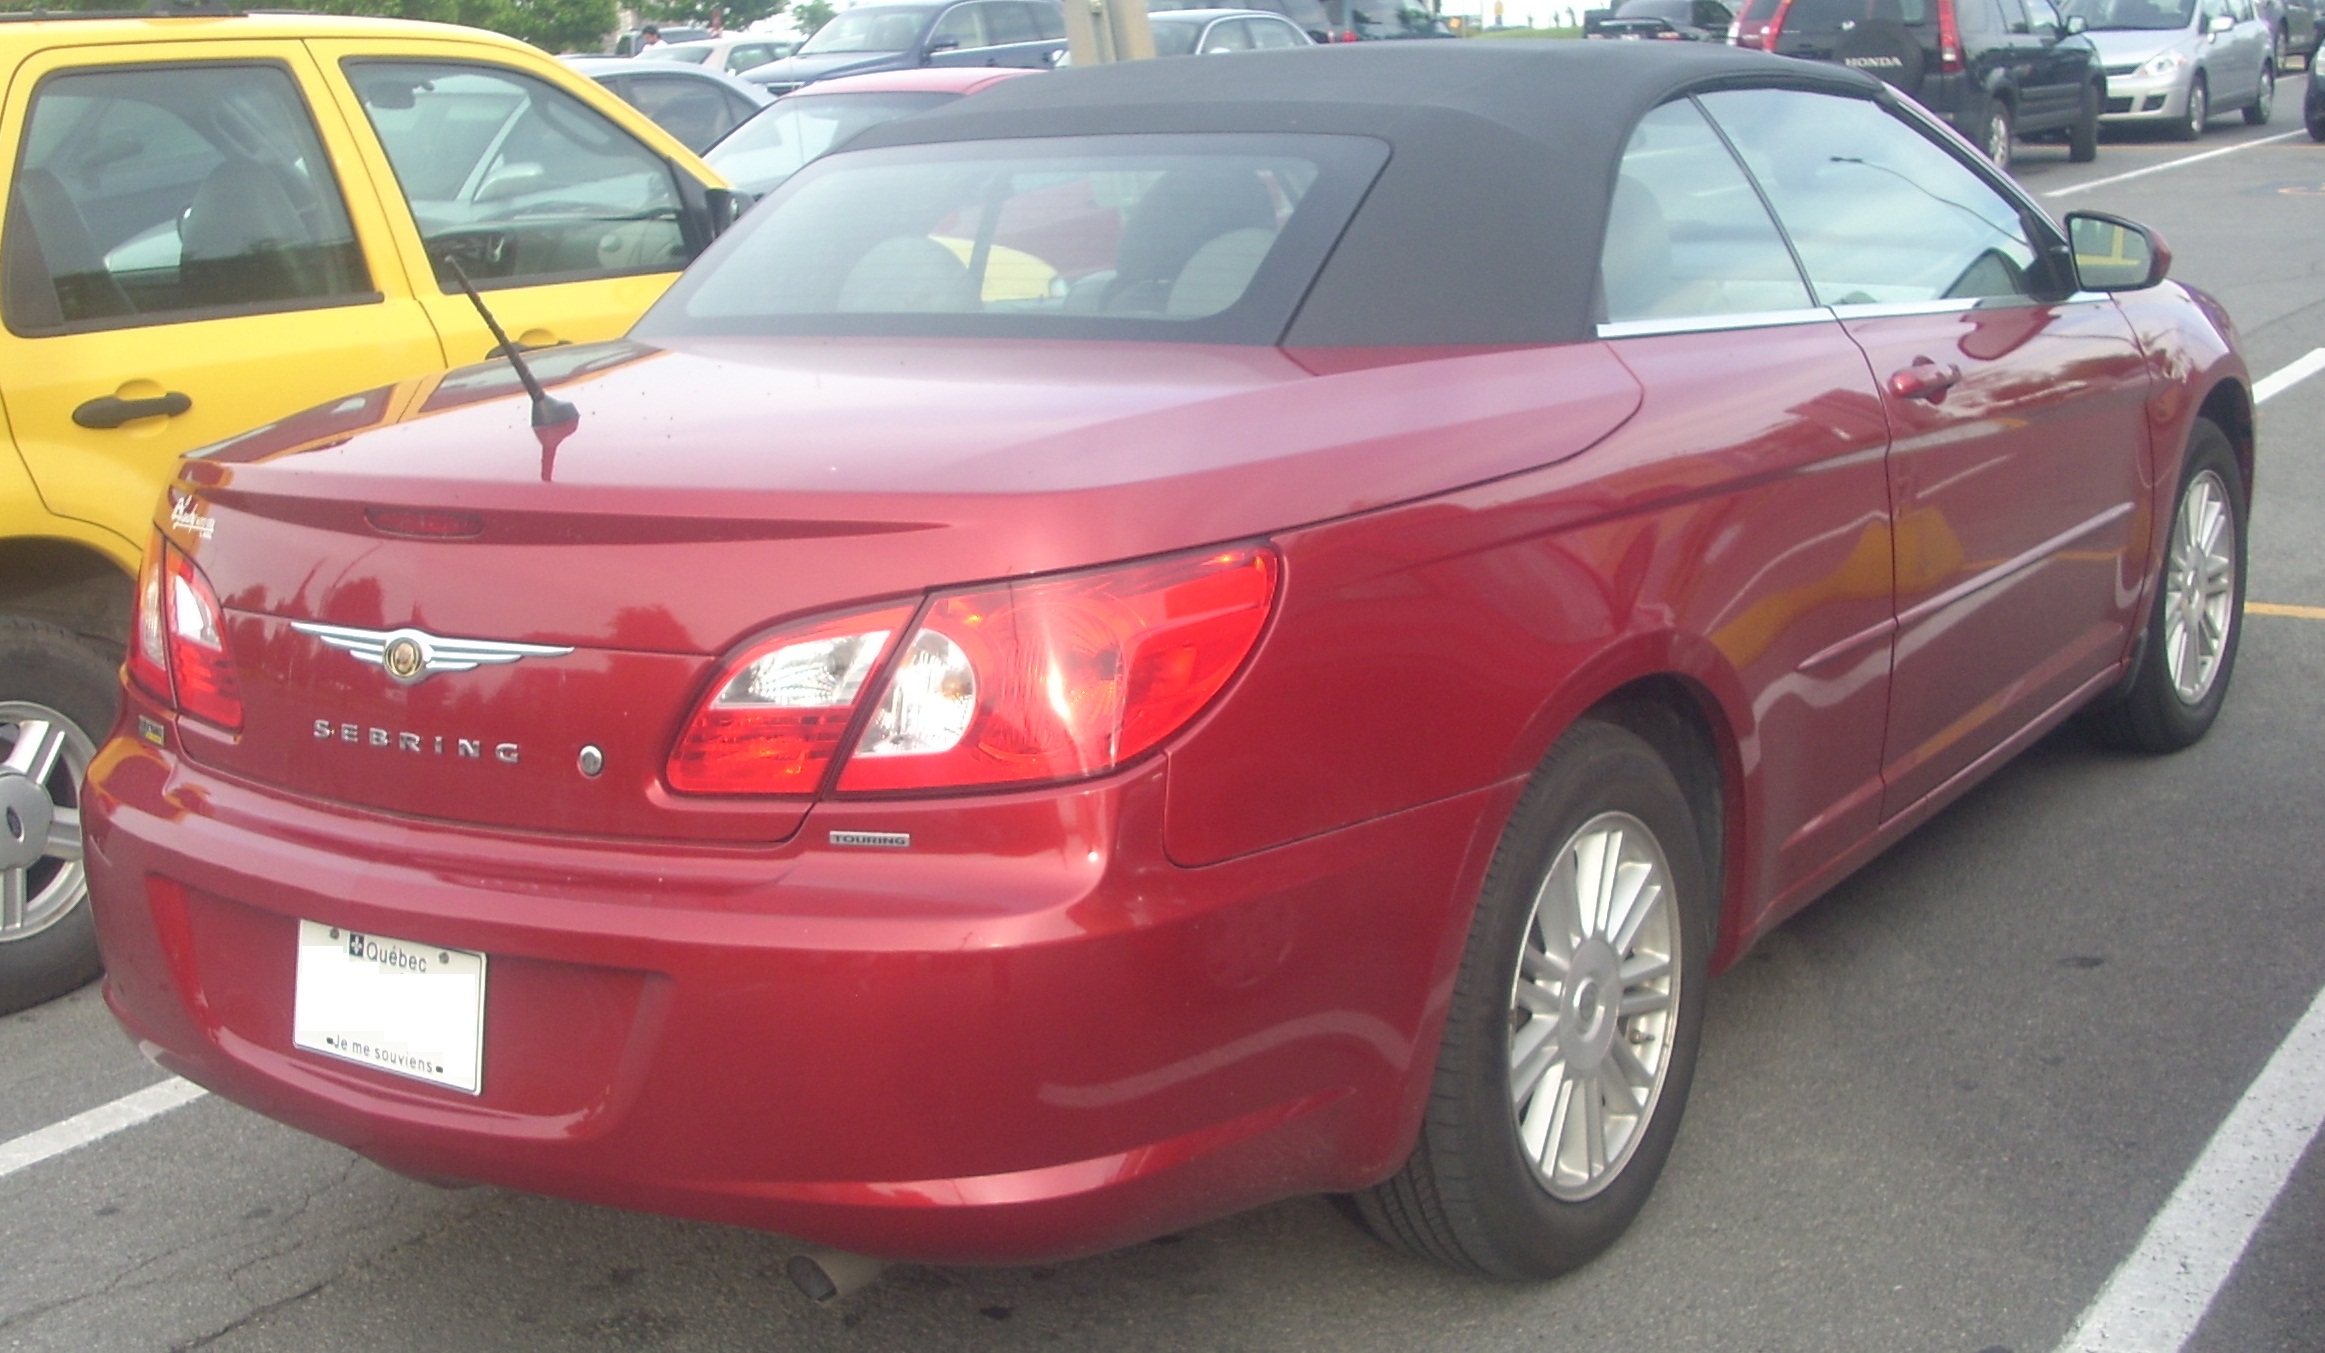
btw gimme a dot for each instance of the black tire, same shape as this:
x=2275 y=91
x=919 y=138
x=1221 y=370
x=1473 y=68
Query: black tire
x=1995 y=135
x=2313 y=107
x=2264 y=104
x=2083 y=137
x=2199 y=112
x=47 y=668
x=2149 y=713
x=1471 y=1196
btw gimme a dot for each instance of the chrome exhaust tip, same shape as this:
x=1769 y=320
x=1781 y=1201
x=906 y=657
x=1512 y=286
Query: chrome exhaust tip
x=825 y=1276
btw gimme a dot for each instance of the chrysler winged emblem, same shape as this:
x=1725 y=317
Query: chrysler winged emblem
x=409 y=655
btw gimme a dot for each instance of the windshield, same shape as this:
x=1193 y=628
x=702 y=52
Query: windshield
x=2120 y=15
x=870 y=30
x=1208 y=238
x=759 y=155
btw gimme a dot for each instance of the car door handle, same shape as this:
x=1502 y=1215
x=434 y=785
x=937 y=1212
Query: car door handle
x=111 y=411
x=1925 y=380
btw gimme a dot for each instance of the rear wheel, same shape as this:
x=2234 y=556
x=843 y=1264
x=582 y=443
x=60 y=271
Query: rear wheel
x=2190 y=646
x=1994 y=137
x=57 y=700
x=2199 y=112
x=2083 y=137
x=2313 y=107
x=1574 y=1023
x=2264 y=105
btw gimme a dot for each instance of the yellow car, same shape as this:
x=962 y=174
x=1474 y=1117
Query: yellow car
x=213 y=221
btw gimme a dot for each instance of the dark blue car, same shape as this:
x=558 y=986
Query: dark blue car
x=902 y=36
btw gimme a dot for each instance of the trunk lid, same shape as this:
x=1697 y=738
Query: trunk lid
x=710 y=494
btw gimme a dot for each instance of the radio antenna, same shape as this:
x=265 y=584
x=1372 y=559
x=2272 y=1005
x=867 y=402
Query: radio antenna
x=547 y=412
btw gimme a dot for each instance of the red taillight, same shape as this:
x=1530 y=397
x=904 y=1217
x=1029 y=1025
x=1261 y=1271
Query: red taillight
x=177 y=648
x=1775 y=26
x=200 y=667
x=1059 y=678
x=1049 y=679
x=149 y=651
x=1346 y=35
x=1949 y=39
x=773 y=720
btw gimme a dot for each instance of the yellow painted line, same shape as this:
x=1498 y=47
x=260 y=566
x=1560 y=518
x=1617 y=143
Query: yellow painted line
x=2277 y=608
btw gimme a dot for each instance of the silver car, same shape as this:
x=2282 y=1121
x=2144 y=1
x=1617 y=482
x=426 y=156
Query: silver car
x=2175 y=63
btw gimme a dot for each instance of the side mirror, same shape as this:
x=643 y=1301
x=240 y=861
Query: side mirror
x=723 y=206
x=511 y=180
x=2221 y=23
x=2112 y=254
x=943 y=44
x=2076 y=23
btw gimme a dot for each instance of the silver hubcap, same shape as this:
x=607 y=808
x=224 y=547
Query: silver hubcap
x=2268 y=92
x=43 y=758
x=2199 y=588
x=1592 y=1009
x=2198 y=109
x=1998 y=141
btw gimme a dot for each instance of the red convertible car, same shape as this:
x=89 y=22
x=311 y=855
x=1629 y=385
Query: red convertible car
x=1165 y=637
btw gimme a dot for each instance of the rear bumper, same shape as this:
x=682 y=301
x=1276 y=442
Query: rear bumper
x=1027 y=1037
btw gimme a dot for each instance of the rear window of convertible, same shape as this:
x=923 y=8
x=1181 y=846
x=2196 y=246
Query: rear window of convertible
x=1192 y=238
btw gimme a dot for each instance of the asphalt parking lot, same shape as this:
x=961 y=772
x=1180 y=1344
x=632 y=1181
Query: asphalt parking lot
x=1943 y=1109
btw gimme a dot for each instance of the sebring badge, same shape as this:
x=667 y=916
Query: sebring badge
x=411 y=656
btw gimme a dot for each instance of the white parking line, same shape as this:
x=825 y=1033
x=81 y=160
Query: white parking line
x=103 y=1121
x=2159 y=1295
x=2286 y=377
x=2171 y=164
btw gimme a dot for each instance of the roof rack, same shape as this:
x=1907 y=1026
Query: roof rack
x=159 y=9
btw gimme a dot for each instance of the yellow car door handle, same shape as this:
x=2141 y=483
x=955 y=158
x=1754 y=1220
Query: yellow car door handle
x=111 y=411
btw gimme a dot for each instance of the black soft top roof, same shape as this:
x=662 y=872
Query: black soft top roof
x=1485 y=226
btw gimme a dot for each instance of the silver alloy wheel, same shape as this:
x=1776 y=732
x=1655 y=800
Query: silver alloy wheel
x=1594 y=1006
x=44 y=756
x=2267 y=102
x=2199 y=109
x=1998 y=138
x=2199 y=588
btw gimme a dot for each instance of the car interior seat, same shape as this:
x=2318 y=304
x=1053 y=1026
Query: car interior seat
x=243 y=240
x=1635 y=265
x=1185 y=210
x=55 y=272
x=907 y=274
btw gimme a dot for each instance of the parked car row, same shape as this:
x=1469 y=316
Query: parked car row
x=1999 y=71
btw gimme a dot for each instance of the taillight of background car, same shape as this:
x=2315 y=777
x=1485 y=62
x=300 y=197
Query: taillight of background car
x=1016 y=683
x=1756 y=24
x=178 y=639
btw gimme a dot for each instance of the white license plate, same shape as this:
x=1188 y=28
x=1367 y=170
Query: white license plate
x=414 y=1009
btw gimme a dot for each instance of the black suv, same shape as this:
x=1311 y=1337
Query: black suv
x=1993 y=69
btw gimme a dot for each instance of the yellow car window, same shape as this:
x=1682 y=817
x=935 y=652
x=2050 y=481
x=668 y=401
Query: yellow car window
x=160 y=194
x=519 y=180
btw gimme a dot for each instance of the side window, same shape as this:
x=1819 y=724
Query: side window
x=1272 y=33
x=1712 y=14
x=962 y=27
x=518 y=179
x=2014 y=16
x=749 y=55
x=1686 y=235
x=1049 y=19
x=1227 y=35
x=695 y=111
x=173 y=193
x=1007 y=21
x=1879 y=213
x=2042 y=18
